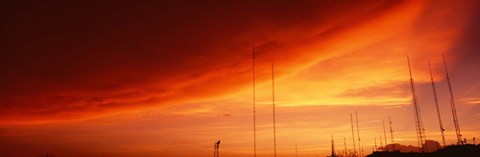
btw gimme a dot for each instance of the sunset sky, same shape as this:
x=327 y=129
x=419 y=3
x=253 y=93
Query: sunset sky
x=170 y=78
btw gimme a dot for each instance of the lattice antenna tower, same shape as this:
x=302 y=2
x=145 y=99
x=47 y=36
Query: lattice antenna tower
x=452 y=105
x=418 y=118
x=254 y=110
x=273 y=106
x=442 y=130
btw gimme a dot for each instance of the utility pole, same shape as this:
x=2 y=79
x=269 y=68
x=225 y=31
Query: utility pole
x=452 y=105
x=375 y=139
x=442 y=130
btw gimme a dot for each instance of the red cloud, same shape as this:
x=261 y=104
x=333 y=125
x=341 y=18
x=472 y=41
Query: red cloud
x=71 y=60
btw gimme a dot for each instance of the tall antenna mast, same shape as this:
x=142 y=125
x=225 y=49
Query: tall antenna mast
x=375 y=139
x=381 y=143
x=273 y=105
x=216 y=146
x=385 y=136
x=358 y=133
x=452 y=105
x=391 y=133
x=254 y=118
x=345 y=145
x=353 y=136
x=418 y=120
x=442 y=130
x=333 y=149
x=296 y=150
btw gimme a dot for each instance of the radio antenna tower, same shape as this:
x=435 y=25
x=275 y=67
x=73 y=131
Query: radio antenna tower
x=216 y=146
x=442 y=130
x=418 y=118
x=391 y=133
x=358 y=135
x=333 y=149
x=254 y=118
x=381 y=142
x=385 y=135
x=345 y=145
x=296 y=149
x=375 y=147
x=273 y=105
x=353 y=136
x=452 y=105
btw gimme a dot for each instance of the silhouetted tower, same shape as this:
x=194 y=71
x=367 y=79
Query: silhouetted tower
x=385 y=136
x=391 y=133
x=345 y=145
x=418 y=118
x=362 y=152
x=442 y=130
x=452 y=105
x=333 y=149
x=353 y=136
x=296 y=149
x=381 y=142
x=273 y=106
x=358 y=135
x=254 y=111
x=216 y=146
x=375 y=139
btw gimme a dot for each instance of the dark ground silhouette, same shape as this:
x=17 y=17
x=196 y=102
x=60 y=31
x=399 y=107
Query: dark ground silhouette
x=468 y=150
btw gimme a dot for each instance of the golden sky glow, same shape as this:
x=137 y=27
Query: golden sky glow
x=133 y=79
